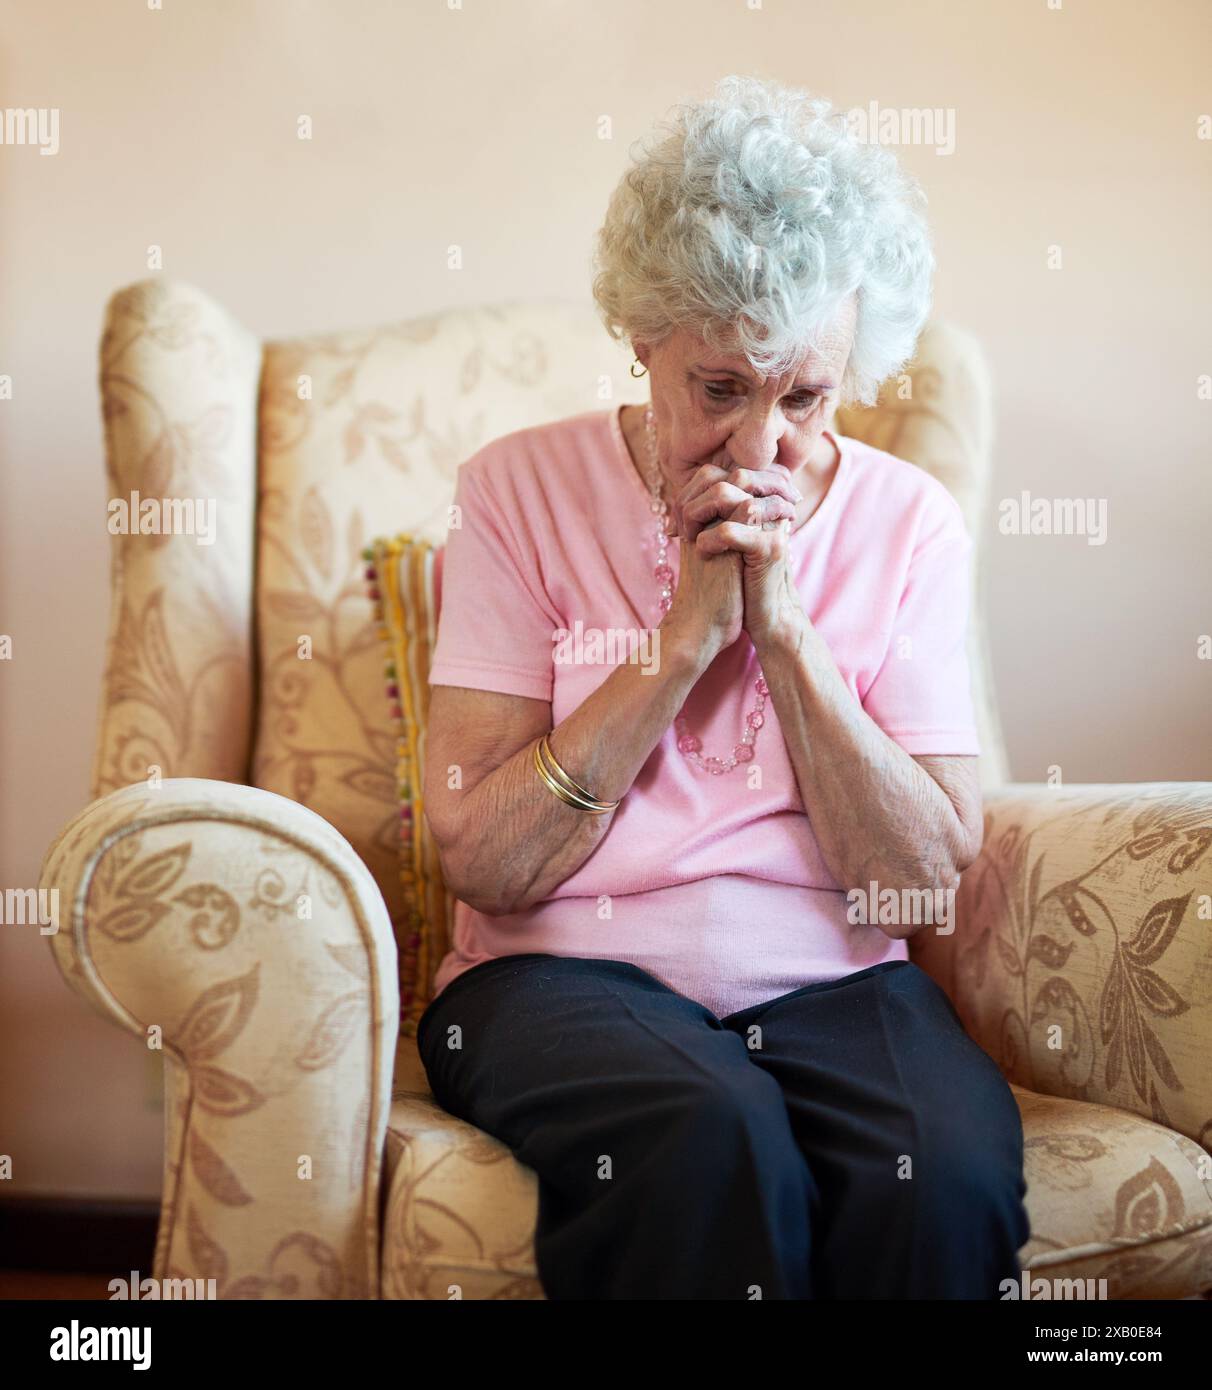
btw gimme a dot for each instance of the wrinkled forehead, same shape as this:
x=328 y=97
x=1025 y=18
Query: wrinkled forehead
x=823 y=351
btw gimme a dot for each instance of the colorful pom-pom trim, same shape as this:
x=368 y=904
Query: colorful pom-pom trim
x=423 y=934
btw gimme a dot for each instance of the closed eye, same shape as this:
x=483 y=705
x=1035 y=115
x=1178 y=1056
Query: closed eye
x=802 y=400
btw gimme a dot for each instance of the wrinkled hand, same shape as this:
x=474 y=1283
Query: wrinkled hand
x=748 y=511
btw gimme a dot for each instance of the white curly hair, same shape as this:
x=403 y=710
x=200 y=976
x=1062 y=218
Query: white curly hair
x=751 y=223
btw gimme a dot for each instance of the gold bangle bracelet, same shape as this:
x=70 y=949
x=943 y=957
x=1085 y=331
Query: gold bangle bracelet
x=552 y=764
x=569 y=798
x=582 y=802
x=570 y=784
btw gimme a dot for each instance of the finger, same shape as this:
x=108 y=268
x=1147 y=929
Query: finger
x=725 y=501
x=732 y=535
x=764 y=482
x=720 y=500
x=758 y=511
x=731 y=504
x=702 y=479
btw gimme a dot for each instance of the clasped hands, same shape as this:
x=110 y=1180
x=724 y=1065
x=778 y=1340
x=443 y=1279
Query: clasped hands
x=749 y=512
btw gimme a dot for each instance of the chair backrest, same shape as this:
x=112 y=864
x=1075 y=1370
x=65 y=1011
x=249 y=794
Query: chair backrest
x=255 y=657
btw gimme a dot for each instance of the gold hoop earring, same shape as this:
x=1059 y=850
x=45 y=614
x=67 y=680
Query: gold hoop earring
x=635 y=362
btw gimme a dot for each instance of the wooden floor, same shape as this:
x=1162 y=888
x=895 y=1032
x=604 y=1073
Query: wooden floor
x=38 y=1283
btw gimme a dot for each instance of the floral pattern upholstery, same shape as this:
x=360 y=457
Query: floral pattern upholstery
x=239 y=932
x=178 y=383
x=1080 y=960
x=1110 y=1196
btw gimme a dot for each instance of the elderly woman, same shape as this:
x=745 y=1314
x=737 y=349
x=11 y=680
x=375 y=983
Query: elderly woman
x=662 y=994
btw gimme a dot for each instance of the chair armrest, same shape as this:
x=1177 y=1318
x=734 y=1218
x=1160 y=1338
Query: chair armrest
x=1081 y=960
x=241 y=932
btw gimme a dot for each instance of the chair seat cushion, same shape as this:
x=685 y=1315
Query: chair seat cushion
x=459 y=1210
x=1110 y=1196
x=1113 y=1196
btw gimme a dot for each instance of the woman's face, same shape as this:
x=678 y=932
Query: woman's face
x=713 y=408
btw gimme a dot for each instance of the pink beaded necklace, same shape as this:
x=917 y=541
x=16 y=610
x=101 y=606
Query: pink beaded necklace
x=688 y=743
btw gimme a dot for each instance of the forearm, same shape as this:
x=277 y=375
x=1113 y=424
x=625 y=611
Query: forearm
x=518 y=841
x=875 y=813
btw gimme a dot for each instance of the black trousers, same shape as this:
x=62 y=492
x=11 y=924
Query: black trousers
x=846 y=1140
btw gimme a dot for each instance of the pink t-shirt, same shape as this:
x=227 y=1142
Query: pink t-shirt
x=712 y=884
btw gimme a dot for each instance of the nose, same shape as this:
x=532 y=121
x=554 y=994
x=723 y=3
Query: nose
x=754 y=442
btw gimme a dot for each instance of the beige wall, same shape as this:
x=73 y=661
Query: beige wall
x=1074 y=127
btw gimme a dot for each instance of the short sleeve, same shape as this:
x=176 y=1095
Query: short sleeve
x=922 y=696
x=494 y=622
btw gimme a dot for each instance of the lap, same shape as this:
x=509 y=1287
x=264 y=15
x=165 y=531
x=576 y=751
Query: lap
x=871 y=1064
x=910 y=1130
x=887 y=1043
x=863 y=1098
x=904 y=1119
x=522 y=1039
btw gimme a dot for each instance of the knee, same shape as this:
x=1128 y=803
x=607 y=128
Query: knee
x=733 y=1118
x=972 y=1188
x=975 y=1158
x=717 y=1101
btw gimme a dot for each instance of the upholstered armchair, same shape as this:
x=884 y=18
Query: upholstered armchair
x=233 y=888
